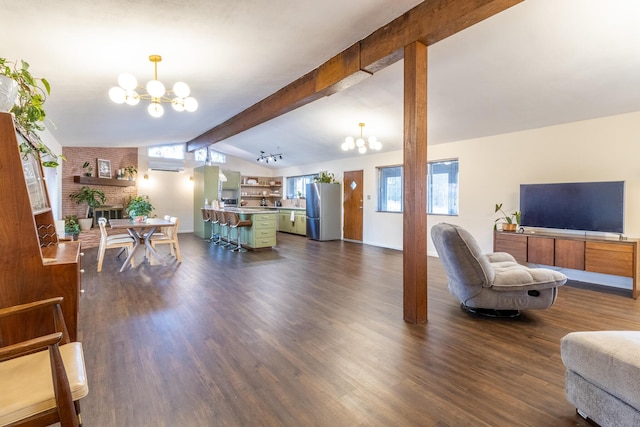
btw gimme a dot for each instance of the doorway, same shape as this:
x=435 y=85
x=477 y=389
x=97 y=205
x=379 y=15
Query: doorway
x=353 y=205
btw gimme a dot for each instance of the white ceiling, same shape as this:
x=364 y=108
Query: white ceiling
x=539 y=63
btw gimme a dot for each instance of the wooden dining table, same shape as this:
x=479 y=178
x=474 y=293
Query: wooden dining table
x=141 y=231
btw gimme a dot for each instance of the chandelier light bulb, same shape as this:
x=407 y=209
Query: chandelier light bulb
x=117 y=95
x=359 y=142
x=362 y=149
x=345 y=146
x=190 y=104
x=181 y=90
x=127 y=81
x=177 y=104
x=131 y=97
x=155 y=88
x=155 y=109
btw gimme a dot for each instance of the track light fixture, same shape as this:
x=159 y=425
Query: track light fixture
x=264 y=158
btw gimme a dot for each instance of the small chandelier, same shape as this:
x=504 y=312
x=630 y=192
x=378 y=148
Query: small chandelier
x=350 y=143
x=264 y=158
x=156 y=93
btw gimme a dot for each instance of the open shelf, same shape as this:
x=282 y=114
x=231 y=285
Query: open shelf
x=103 y=181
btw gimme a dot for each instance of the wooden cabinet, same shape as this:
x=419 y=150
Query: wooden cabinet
x=515 y=244
x=262 y=233
x=569 y=254
x=541 y=250
x=297 y=226
x=609 y=258
x=593 y=254
x=33 y=263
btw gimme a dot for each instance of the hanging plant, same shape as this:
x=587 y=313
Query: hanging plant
x=28 y=112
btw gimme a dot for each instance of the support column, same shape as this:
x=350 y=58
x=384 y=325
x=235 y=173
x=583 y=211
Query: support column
x=415 y=184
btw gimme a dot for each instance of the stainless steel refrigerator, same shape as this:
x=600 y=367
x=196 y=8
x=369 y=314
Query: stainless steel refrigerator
x=324 y=211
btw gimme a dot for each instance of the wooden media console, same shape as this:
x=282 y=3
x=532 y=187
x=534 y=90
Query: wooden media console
x=592 y=254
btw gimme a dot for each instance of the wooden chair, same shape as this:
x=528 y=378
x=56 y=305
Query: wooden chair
x=170 y=237
x=122 y=241
x=42 y=379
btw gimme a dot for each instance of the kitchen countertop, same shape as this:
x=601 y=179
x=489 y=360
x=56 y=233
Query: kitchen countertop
x=250 y=210
x=274 y=208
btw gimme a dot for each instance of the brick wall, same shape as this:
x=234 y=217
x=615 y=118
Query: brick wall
x=76 y=156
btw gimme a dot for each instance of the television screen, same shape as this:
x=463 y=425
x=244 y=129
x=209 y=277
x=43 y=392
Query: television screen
x=588 y=206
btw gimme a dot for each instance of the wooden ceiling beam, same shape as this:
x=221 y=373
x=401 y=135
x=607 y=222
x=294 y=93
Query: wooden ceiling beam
x=428 y=23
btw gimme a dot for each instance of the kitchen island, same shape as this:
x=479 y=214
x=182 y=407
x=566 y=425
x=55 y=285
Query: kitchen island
x=262 y=233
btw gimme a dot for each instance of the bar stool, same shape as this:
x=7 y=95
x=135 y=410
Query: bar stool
x=224 y=223
x=215 y=222
x=206 y=218
x=237 y=223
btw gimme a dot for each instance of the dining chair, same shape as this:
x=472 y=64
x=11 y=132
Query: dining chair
x=122 y=241
x=170 y=238
x=42 y=379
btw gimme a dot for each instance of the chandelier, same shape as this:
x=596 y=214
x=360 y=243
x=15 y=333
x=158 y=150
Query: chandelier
x=350 y=143
x=178 y=97
x=264 y=158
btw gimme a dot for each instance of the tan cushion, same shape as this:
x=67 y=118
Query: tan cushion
x=26 y=385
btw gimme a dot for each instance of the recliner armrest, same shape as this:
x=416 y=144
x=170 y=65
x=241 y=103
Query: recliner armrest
x=500 y=257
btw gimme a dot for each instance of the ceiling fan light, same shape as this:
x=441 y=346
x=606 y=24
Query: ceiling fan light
x=131 y=97
x=117 y=95
x=155 y=109
x=177 y=104
x=155 y=88
x=190 y=104
x=181 y=89
x=127 y=81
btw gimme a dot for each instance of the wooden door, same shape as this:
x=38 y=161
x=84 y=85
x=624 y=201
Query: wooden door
x=353 y=205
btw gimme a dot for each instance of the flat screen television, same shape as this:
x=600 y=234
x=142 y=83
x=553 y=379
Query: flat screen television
x=587 y=206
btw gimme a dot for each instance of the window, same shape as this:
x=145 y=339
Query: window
x=389 y=189
x=296 y=185
x=214 y=156
x=175 y=151
x=442 y=187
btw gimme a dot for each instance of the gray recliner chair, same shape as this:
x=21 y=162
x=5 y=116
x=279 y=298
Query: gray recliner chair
x=491 y=284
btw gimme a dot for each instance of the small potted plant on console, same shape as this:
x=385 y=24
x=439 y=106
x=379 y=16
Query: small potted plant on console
x=508 y=222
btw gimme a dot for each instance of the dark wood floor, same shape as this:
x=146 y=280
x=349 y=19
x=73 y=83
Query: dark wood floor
x=311 y=334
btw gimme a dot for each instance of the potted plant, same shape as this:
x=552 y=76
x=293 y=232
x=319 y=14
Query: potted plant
x=139 y=208
x=326 y=178
x=93 y=198
x=88 y=169
x=71 y=227
x=509 y=222
x=130 y=172
x=27 y=109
